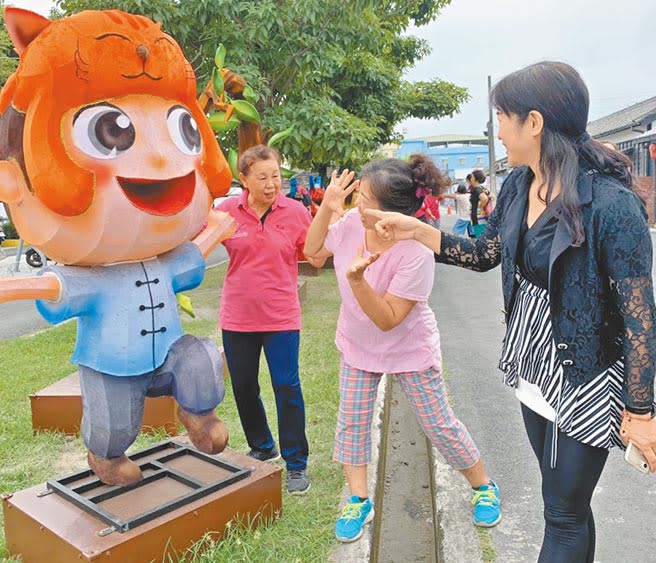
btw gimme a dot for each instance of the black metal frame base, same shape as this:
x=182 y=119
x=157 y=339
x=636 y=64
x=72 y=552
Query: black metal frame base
x=156 y=469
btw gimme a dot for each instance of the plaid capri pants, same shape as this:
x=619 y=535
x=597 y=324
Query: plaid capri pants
x=426 y=394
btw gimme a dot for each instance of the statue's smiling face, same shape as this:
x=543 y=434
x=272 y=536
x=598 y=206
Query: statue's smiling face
x=104 y=134
x=149 y=193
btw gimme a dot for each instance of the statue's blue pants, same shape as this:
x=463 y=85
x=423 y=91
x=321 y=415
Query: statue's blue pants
x=113 y=405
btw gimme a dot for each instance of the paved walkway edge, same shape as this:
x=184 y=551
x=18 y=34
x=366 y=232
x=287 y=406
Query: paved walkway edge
x=360 y=551
x=452 y=514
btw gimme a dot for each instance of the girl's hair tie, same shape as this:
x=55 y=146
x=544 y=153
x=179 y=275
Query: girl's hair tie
x=582 y=138
x=420 y=188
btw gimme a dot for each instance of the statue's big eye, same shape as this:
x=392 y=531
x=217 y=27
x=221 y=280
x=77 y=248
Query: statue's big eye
x=184 y=130
x=103 y=131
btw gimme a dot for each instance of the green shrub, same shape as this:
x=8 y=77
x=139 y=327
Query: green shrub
x=8 y=228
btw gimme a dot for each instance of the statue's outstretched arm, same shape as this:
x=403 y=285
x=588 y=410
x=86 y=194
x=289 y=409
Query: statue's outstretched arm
x=220 y=226
x=46 y=287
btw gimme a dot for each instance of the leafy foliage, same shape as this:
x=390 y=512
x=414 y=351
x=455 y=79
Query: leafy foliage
x=332 y=68
x=8 y=229
x=8 y=58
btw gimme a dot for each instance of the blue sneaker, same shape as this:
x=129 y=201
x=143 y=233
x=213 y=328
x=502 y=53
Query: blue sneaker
x=355 y=515
x=487 y=505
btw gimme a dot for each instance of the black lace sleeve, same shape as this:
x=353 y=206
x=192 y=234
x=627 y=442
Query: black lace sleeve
x=627 y=253
x=482 y=254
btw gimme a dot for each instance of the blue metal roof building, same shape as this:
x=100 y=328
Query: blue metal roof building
x=456 y=155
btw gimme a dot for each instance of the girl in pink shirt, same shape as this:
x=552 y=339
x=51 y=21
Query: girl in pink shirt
x=386 y=326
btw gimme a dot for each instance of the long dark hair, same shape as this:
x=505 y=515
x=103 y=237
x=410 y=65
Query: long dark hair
x=558 y=92
x=402 y=186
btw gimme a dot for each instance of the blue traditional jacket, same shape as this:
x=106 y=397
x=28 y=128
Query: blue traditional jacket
x=127 y=313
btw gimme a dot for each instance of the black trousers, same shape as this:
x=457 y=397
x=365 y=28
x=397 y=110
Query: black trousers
x=569 y=533
x=242 y=350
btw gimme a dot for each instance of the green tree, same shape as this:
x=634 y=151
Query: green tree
x=333 y=68
x=8 y=58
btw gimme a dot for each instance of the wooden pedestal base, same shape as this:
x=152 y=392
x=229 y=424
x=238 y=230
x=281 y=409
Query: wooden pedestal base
x=58 y=407
x=53 y=529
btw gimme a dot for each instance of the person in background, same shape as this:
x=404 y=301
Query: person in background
x=463 y=211
x=386 y=326
x=430 y=209
x=260 y=310
x=303 y=195
x=573 y=242
x=316 y=192
x=299 y=193
x=478 y=198
x=293 y=187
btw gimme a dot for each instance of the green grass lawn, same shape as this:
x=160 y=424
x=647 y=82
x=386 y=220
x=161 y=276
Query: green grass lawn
x=302 y=534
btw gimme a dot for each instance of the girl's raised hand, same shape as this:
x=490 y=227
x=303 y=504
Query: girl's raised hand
x=355 y=272
x=340 y=186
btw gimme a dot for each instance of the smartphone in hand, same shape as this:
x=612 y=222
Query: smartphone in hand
x=634 y=457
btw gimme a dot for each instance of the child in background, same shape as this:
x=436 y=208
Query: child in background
x=463 y=210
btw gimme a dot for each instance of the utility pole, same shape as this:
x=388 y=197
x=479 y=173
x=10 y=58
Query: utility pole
x=490 y=140
x=652 y=154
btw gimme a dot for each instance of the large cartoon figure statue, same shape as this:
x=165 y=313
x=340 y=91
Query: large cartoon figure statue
x=108 y=165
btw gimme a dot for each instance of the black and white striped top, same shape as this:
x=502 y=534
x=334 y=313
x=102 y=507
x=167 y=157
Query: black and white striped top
x=590 y=413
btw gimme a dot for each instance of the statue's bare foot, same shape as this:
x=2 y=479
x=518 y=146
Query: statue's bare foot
x=206 y=431
x=115 y=471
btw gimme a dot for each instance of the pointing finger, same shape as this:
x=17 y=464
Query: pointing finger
x=374 y=213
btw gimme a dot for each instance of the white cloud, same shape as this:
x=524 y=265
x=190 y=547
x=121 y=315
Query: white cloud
x=39 y=6
x=607 y=41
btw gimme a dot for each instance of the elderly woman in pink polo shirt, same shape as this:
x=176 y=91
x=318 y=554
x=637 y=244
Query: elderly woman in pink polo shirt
x=260 y=309
x=386 y=326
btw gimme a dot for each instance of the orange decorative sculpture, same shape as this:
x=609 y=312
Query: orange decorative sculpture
x=109 y=166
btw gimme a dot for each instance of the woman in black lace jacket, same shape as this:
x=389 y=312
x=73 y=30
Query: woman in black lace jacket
x=575 y=252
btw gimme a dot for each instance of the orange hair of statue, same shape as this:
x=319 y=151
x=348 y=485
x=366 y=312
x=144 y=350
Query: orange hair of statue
x=80 y=60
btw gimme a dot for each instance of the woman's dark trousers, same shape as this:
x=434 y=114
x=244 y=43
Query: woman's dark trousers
x=242 y=350
x=569 y=534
